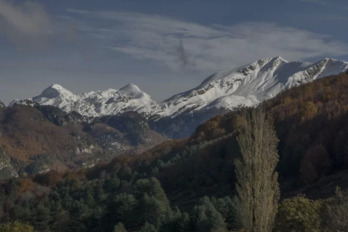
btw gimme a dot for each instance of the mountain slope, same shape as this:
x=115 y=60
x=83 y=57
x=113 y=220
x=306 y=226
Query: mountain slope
x=311 y=122
x=37 y=138
x=244 y=86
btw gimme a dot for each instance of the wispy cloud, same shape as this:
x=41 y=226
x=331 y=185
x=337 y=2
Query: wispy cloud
x=26 y=24
x=186 y=45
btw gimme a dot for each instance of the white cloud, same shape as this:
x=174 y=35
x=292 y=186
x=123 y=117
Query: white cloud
x=25 y=24
x=186 y=45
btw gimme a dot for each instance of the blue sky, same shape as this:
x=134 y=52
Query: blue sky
x=162 y=46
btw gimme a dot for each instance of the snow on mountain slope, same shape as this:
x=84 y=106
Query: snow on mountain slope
x=247 y=85
x=99 y=103
x=57 y=96
x=323 y=68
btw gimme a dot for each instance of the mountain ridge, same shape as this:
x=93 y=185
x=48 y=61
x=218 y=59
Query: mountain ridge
x=221 y=92
x=264 y=79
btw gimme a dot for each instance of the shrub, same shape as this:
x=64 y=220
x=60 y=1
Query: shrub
x=16 y=227
x=335 y=213
x=298 y=214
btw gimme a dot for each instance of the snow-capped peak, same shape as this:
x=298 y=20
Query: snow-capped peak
x=98 y=103
x=246 y=85
x=133 y=91
x=56 y=95
x=281 y=58
x=272 y=62
x=57 y=87
x=56 y=90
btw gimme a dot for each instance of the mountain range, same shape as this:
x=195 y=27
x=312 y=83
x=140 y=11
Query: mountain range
x=195 y=175
x=179 y=115
x=83 y=171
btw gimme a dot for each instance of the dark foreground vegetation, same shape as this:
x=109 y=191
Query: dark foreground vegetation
x=218 y=180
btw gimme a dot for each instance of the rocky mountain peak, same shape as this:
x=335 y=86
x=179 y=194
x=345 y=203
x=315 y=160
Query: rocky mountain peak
x=132 y=90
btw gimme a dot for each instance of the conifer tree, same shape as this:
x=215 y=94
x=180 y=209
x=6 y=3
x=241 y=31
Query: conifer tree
x=207 y=218
x=257 y=182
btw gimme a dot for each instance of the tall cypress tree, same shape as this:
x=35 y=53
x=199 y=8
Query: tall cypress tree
x=257 y=182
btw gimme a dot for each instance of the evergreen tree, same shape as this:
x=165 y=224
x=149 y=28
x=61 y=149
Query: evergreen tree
x=123 y=209
x=153 y=210
x=228 y=209
x=154 y=203
x=257 y=182
x=41 y=217
x=207 y=218
x=176 y=221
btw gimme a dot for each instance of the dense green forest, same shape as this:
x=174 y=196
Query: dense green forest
x=190 y=184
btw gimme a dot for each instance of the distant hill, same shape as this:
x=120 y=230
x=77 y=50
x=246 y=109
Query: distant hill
x=35 y=139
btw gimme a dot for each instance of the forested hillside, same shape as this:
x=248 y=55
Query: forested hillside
x=189 y=185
